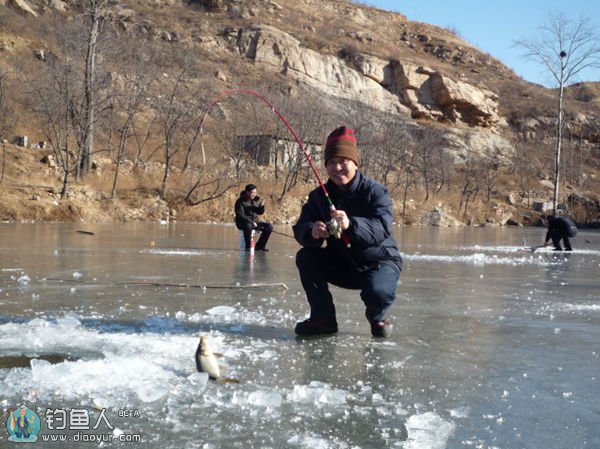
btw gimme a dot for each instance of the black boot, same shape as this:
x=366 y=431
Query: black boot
x=316 y=327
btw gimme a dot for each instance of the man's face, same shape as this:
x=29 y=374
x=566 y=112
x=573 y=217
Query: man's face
x=341 y=170
x=251 y=193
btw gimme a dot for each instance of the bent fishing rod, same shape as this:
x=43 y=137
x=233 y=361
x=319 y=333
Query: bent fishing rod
x=333 y=225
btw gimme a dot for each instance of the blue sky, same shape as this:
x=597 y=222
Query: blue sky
x=493 y=27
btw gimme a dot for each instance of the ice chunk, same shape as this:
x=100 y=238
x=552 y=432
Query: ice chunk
x=265 y=398
x=38 y=322
x=221 y=310
x=198 y=380
x=460 y=412
x=268 y=354
x=24 y=280
x=318 y=393
x=309 y=441
x=150 y=391
x=68 y=321
x=427 y=431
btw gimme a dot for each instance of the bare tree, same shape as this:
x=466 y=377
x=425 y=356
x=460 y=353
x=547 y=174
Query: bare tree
x=6 y=119
x=309 y=125
x=429 y=159
x=565 y=48
x=54 y=95
x=172 y=116
x=94 y=11
x=78 y=46
x=402 y=178
x=129 y=103
x=490 y=168
x=385 y=150
x=238 y=145
x=210 y=187
x=212 y=177
x=470 y=182
x=524 y=167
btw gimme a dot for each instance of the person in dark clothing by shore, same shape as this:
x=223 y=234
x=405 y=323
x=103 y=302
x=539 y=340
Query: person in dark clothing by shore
x=247 y=209
x=366 y=258
x=560 y=228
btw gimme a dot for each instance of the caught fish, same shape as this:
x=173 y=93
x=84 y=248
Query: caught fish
x=334 y=228
x=206 y=361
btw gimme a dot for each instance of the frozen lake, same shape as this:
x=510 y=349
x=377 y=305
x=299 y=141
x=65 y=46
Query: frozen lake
x=493 y=347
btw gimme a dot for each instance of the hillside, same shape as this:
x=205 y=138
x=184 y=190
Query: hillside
x=456 y=136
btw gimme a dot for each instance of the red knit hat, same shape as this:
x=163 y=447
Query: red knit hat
x=341 y=143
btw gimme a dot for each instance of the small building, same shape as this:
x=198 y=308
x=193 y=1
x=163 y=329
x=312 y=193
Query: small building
x=268 y=150
x=20 y=141
x=542 y=206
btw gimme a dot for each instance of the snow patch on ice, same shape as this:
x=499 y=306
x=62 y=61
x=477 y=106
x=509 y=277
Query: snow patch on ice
x=480 y=259
x=577 y=308
x=109 y=366
x=176 y=252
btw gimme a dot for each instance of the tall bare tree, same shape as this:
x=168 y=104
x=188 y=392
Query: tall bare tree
x=6 y=118
x=94 y=11
x=565 y=48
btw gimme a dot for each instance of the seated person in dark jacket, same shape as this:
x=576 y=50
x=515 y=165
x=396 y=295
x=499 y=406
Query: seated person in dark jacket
x=366 y=258
x=247 y=209
x=560 y=228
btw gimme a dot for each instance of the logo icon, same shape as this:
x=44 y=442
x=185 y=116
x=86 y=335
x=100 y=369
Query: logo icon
x=23 y=425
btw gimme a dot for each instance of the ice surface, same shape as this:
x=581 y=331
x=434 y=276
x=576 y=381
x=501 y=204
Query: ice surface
x=493 y=345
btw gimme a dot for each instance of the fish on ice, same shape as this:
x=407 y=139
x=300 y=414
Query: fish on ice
x=206 y=361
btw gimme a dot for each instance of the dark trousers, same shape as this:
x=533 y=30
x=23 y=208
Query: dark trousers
x=265 y=230
x=556 y=237
x=318 y=269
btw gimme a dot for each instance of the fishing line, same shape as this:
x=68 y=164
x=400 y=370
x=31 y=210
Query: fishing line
x=223 y=94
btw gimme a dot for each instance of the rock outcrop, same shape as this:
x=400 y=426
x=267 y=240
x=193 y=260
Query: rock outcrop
x=329 y=74
x=390 y=86
x=23 y=7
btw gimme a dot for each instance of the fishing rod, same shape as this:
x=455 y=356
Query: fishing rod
x=534 y=248
x=333 y=225
x=283 y=233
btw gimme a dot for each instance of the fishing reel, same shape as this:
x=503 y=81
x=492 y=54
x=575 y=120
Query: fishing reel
x=334 y=228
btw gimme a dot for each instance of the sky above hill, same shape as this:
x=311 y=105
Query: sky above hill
x=493 y=27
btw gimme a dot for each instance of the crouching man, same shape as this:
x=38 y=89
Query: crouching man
x=365 y=258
